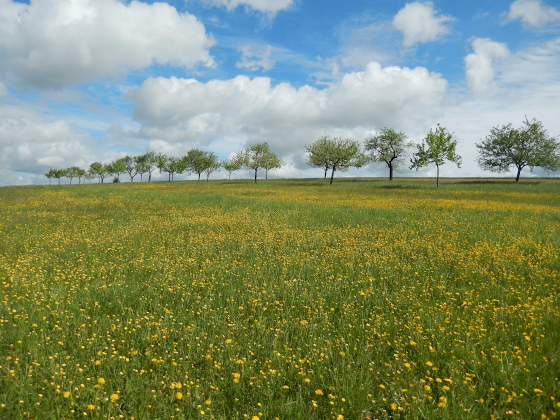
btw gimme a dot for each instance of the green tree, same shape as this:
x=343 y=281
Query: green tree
x=388 y=147
x=232 y=164
x=437 y=147
x=58 y=173
x=146 y=163
x=255 y=156
x=99 y=170
x=271 y=161
x=335 y=154
x=130 y=166
x=117 y=168
x=213 y=165
x=199 y=161
x=529 y=145
x=50 y=175
x=72 y=172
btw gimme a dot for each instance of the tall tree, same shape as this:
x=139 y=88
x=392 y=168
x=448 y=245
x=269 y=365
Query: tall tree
x=335 y=154
x=50 y=175
x=72 y=172
x=199 y=161
x=529 y=145
x=212 y=166
x=389 y=147
x=254 y=157
x=232 y=164
x=149 y=162
x=437 y=147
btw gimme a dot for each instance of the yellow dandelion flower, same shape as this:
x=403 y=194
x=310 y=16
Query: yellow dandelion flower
x=114 y=397
x=101 y=381
x=66 y=394
x=318 y=392
x=179 y=395
x=428 y=363
x=229 y=341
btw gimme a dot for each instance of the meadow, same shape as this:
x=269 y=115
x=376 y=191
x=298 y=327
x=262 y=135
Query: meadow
x=285 y=299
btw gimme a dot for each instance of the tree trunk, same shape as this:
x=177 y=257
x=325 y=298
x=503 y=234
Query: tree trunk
x=255 y=176
x=437 y=176
x=518 y=174
x=326 y=170
x=390 y=172
x=332 y=176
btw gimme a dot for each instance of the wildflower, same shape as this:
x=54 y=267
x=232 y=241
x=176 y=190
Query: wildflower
x=101 y=381
x=114 y=397
x=66 y=394
x=179 y=395
x=318 y=392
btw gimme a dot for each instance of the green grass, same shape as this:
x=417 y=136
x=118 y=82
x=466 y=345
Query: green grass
x=284 y=299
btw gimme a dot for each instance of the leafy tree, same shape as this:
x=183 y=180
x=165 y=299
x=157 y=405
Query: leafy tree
x=99 y=170
x=161 y=162
x=130 y=166
x=271 y=161
x=58 y=173
x=213 y=165
x=317 y=154
x=50 y=175
x=146 y=163
x=437 y=147
x=255 y=156
x=335 y=154
x=81 y=173
x=388 y=147
x=199 y=161
x=528 y=146
x=72 y=172
x=172 y=165
x=232 y=164
x=117 y=168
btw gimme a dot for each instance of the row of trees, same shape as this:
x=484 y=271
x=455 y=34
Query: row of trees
x=503 y=148
x=196 y=161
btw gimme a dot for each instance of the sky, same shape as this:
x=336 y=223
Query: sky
x=85 y=81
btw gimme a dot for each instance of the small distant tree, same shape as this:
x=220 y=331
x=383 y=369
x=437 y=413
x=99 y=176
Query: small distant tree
x=388 y=147
x=117 y=168
x=99 y=170
x=212 y=166
x=174 y=165
x=529 y=145
x=437 y=147
x=81 y=173
x=72 y=172
x=161 y=163
x=271 y=161
x=199 y=161
x=255 y=156
x=146 y=163
x=58 y=173
x=50 y=175
x=232 y=164
x=130 y=166
x=335 y=154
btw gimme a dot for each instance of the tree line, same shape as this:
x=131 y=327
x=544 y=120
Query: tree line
x=505 y=147
x=196 y=161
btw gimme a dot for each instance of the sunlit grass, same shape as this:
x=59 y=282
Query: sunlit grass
x=284 y=299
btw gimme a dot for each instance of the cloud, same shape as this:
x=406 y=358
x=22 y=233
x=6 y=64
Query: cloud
x=533 y=12
x=255 y=58
x=270 y=7
x=51 y=44
x=419 y=24
x=479 y=65
x=190 y=112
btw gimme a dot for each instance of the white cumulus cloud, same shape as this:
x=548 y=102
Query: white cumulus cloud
x=187 y=111
x=533 y=12
x=419 y=23
x=480 y=65
x=53 y=43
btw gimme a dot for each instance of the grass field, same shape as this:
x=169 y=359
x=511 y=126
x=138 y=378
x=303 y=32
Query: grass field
x=284 y=299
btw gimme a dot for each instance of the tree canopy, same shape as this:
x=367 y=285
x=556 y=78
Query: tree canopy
x=388 y=147
x=529 y=145
x=437 y=147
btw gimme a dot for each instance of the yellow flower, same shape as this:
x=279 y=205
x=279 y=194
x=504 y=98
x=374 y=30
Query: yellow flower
x=179 y=395
x=285 y=387
x=91 y=407
x=229 y=341
x=101 y=381
x=428 y=363
x=318 y=392
x=114 y=397
x=255 y=418
x=66 y=394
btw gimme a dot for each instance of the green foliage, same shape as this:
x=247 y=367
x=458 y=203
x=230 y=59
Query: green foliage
x=259 y=156
x=438 y=147
x=335 y=154
x=530 y=146
x=232 y=164
x=388 y=147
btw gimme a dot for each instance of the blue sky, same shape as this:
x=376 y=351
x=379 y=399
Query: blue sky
x=93 y=80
